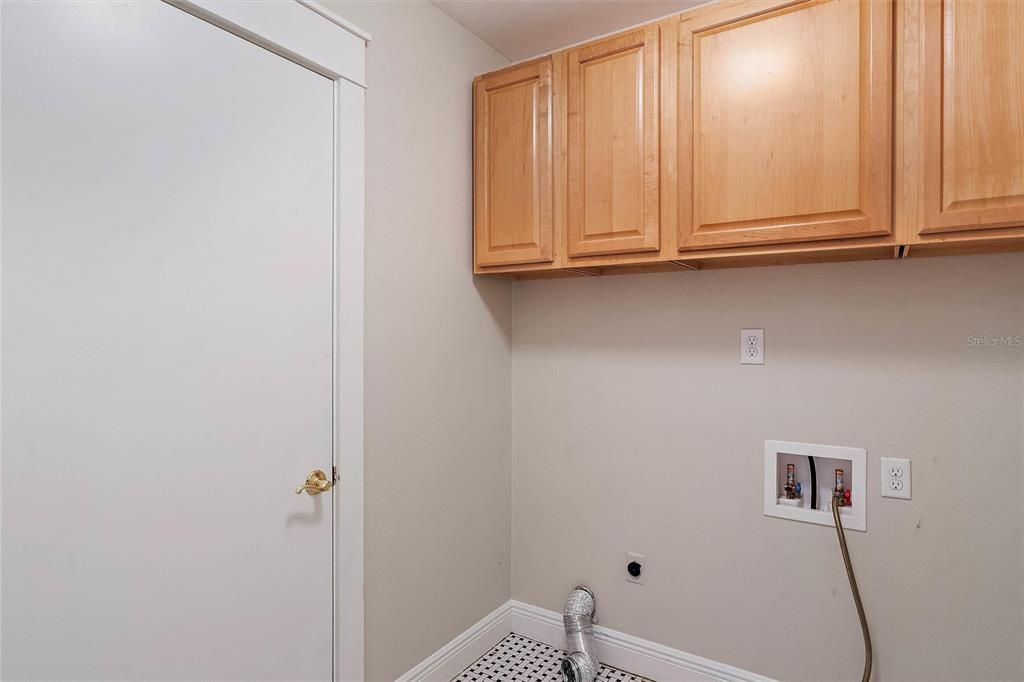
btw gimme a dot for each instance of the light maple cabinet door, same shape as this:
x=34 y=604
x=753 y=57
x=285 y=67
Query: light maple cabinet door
x=512 y=170
x=973 y=134
x=612 y=133
x=784 y=122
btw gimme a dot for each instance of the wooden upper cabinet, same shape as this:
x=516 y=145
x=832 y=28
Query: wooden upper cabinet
x=784 y=122
x=613 y=144
x=512 y=171
x=973 y=99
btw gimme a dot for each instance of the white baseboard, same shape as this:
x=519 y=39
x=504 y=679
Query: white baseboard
x=617 y=649
x=458 y=654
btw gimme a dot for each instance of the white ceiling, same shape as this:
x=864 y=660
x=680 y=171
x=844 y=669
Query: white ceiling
x=526 y=28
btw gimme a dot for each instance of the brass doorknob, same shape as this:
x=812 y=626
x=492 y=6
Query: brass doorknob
x=316 y=483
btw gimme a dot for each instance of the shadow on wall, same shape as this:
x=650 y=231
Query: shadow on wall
x=889 y=311
x=495 y=296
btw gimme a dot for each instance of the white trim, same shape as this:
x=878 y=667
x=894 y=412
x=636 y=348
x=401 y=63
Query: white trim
x=349 y=150
x=295 y=30
x=337 y=19
x=458 y=654
x=626 y=652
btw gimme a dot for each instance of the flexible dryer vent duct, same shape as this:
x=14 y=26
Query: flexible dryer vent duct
x=581 y=665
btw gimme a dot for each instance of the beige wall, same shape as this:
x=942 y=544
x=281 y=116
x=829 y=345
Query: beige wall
x=437 y=346
x=636 y=429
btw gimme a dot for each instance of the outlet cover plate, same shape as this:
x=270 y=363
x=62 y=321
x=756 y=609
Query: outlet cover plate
x=751 y=346
x=895 y=474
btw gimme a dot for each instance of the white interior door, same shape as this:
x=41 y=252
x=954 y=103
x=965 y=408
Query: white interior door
x=166 y=349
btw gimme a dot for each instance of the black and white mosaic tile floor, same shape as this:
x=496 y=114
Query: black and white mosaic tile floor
x=519 y=659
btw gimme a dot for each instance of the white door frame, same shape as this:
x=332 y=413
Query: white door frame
x=316 y=38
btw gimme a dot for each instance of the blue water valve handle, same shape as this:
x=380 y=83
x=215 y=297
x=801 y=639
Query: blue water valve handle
x=797 y=488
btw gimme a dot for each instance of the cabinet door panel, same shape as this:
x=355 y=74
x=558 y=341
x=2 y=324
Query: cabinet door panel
x=613 y=155
x=784 y=124
x=512 y=167
x=974 y=115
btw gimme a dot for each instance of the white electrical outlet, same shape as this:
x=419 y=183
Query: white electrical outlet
x=751 y=346
x=896 y=477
